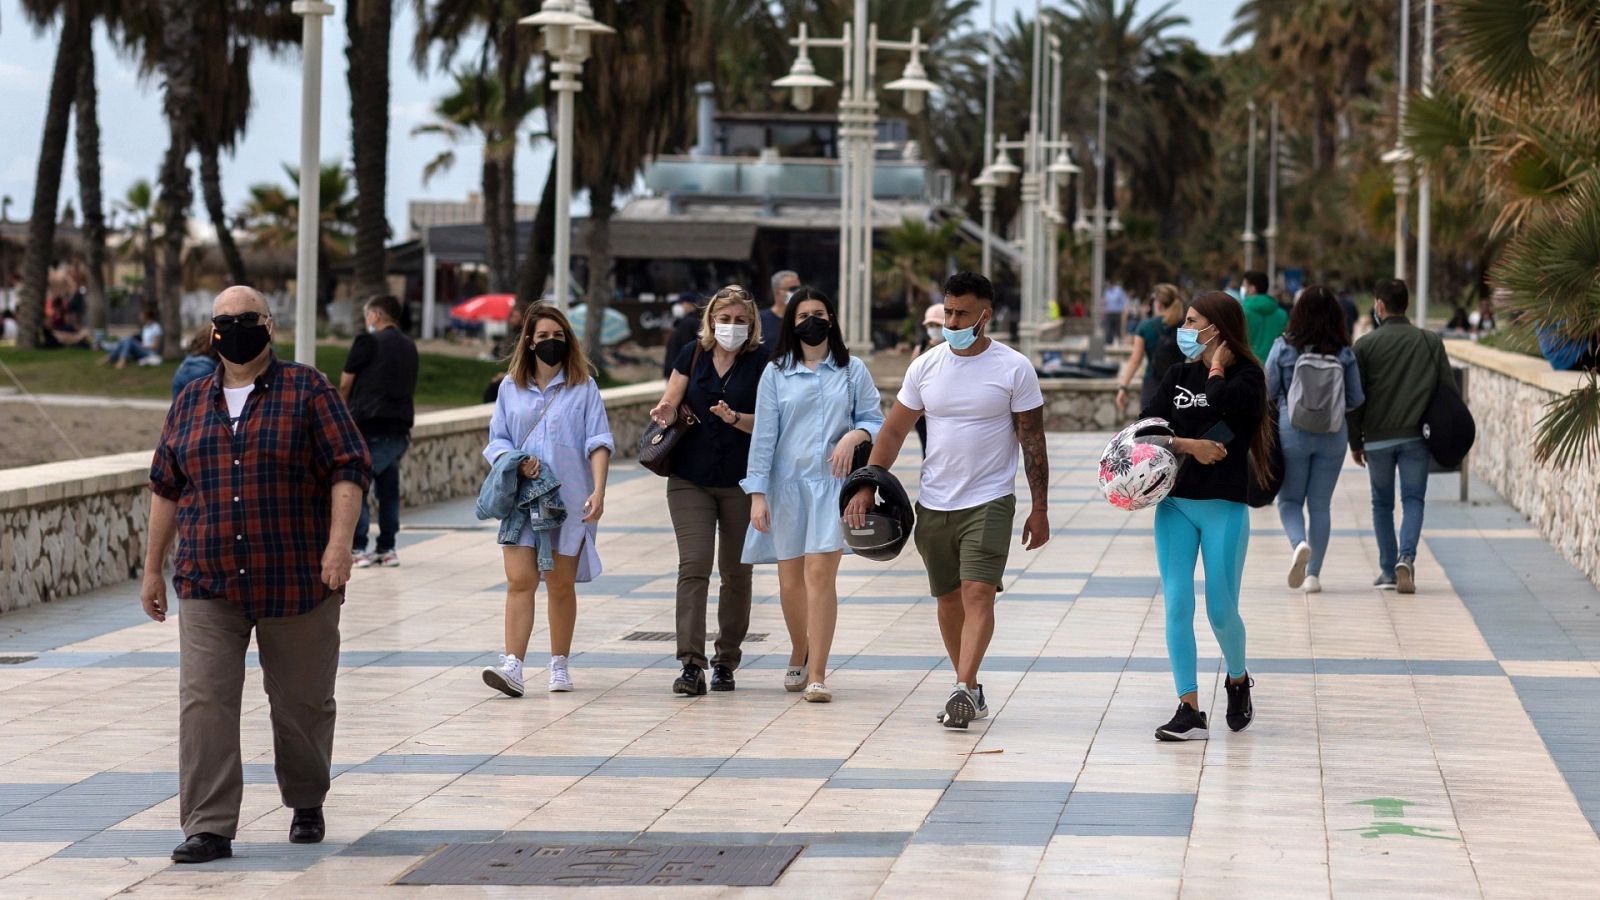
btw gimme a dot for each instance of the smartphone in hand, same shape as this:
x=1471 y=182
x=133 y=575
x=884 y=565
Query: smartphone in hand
x=1219 y=432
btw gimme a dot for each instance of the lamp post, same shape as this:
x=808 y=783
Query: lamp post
x=311 y=13
x=858 y=132
x=1271 y=234
x=1094 y=227
x=985 y=182
x=568 y=28
x=1400 y=156
x=1249 y=235
x=1425 y=186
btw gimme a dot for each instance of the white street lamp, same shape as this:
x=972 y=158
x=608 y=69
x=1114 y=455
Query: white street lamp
x=1249 y=235
x=1097 y=281
x=568 y=30
x=1400 y=156
x=1271 y=234
x=310 y=202
x=1425 y=185
x=986 y=182
x=1003 y=169
x=858 y=132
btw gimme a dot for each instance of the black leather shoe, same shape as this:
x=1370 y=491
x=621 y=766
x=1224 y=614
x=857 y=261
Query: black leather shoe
x=721 y=678
x=691 y=682
x=202 y=848
x=307 y=827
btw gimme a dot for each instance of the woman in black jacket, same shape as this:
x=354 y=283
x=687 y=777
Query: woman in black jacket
x=1217 y=406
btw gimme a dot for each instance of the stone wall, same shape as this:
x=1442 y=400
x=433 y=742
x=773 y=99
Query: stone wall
x=1507 y=393
x=70 y=527
x=1073 y=404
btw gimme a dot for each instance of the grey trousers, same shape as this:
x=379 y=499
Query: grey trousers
x=699 y=515
x=299 y=661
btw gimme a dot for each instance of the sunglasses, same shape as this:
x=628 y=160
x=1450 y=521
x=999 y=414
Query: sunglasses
x=248 y=320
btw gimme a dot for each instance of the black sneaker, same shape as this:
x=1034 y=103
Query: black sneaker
x=721 y=678
x=961 y=708
x=1405 y=576
x=1188 y=724
x=1240 y=709
x=1384 y=583
x=691 y=681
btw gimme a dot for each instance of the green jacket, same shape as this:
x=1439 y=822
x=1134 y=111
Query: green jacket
x=1264 y=321
x=1400 y=366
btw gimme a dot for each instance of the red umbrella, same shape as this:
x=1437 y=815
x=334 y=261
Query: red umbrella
x=484 y=308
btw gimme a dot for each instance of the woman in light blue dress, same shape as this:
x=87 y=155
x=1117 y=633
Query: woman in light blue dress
x=549 y=403
x=815 y=405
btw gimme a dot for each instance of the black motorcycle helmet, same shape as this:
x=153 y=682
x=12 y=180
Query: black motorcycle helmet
x=889 y=521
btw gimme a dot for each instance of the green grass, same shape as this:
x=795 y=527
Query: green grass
x=442 y=380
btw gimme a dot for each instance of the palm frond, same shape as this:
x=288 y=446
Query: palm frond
x=1494 y=41
x=1569 y=432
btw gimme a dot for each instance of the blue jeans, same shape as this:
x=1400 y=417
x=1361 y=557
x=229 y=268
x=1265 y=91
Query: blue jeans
x=1220 y=531
x=386 y=451
x=1311 y=464
x=1411 y=459
x=129 y=349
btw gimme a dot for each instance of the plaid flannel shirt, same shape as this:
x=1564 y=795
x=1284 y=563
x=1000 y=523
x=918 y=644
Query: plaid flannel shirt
x=254 y=506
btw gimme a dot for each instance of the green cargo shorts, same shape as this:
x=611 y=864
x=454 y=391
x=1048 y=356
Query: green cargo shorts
x=965 y=544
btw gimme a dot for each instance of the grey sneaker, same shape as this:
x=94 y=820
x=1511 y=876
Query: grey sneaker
x=961 y=707
x=1405 y=576
x=362 y=559
x=983 y=706
x=1384 y=582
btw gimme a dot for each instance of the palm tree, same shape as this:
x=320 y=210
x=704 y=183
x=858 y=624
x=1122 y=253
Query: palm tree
x=504 y=57
x=916 y=256
x=76 y=20
x=179 y=69
x=272 y=218
x=644 y=66
x=89 y=193
x=479 y=110
x=368 y=24
x=1517 y=113
x=140 y=205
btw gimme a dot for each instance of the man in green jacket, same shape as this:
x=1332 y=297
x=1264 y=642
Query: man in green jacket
x=1264 y=319
x=1401 y=365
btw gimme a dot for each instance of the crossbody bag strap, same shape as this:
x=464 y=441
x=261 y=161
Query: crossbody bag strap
x=540 y=418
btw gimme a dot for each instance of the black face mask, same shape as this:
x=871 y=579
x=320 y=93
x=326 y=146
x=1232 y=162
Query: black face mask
x=551 y=351
x=812 y=331
x=240 y=344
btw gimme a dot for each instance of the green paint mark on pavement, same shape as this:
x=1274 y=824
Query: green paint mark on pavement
x=1380 y=829
x=1386 y=807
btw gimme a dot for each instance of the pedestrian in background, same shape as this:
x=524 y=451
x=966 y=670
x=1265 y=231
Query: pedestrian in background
x=549 y=412
x=814 y=406
x=258 y=475
x=1401 y=365
x=200 y=361
x=379 y=383
x=784 y=284
x=1264 y=319
x=1155 y=342
x=1313 y=378
x=716 y=377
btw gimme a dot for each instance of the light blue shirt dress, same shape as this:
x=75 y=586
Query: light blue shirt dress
x=800 y=416
x=575 y=427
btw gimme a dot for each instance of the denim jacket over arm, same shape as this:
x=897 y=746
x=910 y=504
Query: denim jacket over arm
x=520 y=503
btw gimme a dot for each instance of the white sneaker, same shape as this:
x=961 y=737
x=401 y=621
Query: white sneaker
x=794 y=678
x=817 y=692
x=505 y=677
x=361 y=559
x=1297 y=564
x=1312 y=585
x=560 y=678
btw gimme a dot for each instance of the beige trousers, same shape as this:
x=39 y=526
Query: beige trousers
x=299 y=661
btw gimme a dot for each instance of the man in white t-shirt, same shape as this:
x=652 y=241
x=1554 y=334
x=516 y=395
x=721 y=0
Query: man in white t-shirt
x=981 y=401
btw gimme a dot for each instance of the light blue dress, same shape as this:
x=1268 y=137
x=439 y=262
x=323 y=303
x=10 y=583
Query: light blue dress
x=575 y=427
x=800 y=416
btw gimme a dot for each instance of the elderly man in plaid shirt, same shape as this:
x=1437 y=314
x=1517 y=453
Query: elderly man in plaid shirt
x=259 y=473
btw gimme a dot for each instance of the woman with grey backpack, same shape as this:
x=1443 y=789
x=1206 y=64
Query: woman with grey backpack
x=1313 y=379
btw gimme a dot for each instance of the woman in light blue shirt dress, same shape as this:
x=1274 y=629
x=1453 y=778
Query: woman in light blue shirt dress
x=814 y=406
x=550 y=403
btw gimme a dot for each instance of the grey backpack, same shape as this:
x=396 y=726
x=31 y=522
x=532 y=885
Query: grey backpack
x=1316 y=396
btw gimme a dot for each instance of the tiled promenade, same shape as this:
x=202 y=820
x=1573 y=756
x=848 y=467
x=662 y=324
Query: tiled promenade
x=1444 y=744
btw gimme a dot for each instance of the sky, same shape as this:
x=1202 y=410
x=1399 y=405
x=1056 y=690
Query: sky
x=133 y=133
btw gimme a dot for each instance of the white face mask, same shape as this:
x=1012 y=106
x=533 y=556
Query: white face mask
x=936 y=333
x=731 y=336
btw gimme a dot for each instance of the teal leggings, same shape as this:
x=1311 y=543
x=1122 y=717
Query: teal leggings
x=1185 y=529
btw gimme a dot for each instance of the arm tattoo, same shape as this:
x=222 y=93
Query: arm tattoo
x=1036 y=462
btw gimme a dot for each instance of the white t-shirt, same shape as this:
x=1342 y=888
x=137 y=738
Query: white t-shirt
x=150 y=335
x=968 y=402
x=236 y=397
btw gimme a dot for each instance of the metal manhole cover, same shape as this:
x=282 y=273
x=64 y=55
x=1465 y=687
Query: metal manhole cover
x=16 y=660
x=580 y=865
x=673 y=636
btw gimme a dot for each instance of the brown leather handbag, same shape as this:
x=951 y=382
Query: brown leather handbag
x=655 y=447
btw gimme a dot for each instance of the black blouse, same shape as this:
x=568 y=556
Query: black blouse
x=1193 y=402
x=714 y=453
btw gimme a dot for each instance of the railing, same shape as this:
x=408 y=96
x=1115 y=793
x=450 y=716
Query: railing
x=891 y=179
